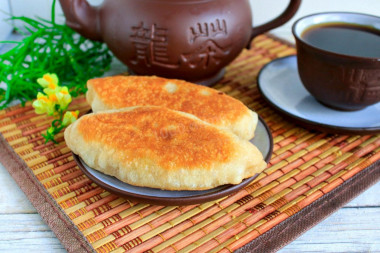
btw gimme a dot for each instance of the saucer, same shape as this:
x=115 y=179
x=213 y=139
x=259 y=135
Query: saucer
x=280 y=84
x=262 y=140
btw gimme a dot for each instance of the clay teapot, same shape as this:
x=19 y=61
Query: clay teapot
x=185 y=39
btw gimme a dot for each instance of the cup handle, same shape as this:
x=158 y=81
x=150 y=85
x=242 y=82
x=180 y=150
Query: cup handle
x=280 y=20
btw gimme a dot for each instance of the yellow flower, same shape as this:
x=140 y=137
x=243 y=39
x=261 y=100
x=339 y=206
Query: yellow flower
x=48 y=81
x=63 y=98
x=43 y=104
x=49 y=91
x=69 y=117
x=53 y=98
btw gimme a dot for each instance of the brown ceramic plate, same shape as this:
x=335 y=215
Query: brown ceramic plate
x=263 y=141
x=280 y=85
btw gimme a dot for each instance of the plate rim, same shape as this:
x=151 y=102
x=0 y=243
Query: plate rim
x=306 y=122
x=178 y=201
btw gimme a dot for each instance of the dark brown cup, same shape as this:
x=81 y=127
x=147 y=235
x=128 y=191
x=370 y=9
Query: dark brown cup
x=339 y=81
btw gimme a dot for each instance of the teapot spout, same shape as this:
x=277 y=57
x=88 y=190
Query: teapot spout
x=82 y=17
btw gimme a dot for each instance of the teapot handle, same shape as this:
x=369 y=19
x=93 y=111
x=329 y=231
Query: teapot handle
x=283 y=18
x=82 y=17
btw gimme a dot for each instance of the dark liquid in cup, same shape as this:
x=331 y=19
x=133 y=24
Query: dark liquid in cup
x=353 y=40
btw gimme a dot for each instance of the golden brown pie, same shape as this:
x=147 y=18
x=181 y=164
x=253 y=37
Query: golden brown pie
x=162 y=148
x=206 y=103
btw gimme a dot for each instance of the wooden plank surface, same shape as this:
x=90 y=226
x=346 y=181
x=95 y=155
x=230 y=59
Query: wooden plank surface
x=26 y=232
x=354 y=228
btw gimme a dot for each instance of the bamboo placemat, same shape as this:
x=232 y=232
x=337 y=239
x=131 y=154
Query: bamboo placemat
x=310 y=175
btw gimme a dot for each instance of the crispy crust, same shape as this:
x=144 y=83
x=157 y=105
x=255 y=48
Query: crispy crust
x=207 y=104
x=161 y=148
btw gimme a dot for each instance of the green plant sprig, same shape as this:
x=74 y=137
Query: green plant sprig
x=54 y=101
x=53 y=48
